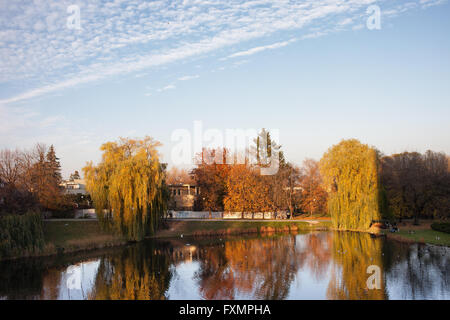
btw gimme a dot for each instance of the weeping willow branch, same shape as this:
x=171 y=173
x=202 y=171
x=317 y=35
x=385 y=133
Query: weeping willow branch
x=350 y=174
x=128 y=188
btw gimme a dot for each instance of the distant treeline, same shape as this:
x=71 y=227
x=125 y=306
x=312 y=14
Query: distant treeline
x=417 y=185
x=355 y=183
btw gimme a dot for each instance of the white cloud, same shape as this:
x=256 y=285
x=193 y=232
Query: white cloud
x=261 y=48
x=185 y=78
x=130 y=37
x=168 y=87
x=345 y=22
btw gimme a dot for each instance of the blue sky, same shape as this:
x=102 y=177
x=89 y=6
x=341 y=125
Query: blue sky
x=311 y=69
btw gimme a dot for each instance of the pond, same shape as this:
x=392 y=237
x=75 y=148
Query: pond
x=313 y=265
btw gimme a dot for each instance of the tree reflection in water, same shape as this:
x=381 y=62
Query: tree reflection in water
x=417 y=271
x=308 y=265
x=249 y=266
x=353 y=253
x=262 y=268
x=140 y=272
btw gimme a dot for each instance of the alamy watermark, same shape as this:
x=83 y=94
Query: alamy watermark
x=374 y=20
x=374 y=280
x=74 y=19
x=73 y=281
x=238 y=144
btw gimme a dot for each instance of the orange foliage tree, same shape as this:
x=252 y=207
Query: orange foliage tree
x=211 y=176
x=247 y=191
x=313 y=196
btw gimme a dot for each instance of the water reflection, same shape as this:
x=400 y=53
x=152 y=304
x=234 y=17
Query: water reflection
x=138 y=273
x=318 y=265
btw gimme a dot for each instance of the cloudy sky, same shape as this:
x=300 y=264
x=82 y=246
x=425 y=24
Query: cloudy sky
x=311 y=68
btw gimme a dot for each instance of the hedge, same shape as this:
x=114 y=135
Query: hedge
x=21 y=235
x=442 y=227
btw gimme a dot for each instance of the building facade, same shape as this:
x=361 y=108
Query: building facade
x=183 y=196
x=76 y=186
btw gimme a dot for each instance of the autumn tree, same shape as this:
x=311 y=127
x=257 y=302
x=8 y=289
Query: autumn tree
x=417 y=185
x=277 y=189
x=350 y=175
x=246 y=191
x=292 y=178
x=30 y=179
x=283 y=188
x=313 y=196
x=238 y=186
x=210 y=176
x=246 y=187
x=128 y=184
x=15 y=190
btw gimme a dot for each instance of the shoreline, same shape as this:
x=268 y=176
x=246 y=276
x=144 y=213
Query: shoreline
x=63 y=236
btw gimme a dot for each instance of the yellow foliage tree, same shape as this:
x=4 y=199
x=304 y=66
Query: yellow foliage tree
x=350 y=174
x=127 y=187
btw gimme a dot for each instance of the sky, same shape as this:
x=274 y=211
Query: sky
x=76 y=74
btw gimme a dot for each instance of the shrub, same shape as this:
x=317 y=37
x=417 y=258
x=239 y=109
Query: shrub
x=442 y=227
x=21 y=235
x=69 y=214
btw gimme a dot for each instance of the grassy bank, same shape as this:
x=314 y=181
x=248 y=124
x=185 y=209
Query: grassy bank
x=71 y=236
x=422 y=233
x=423 y=236
x=211 y=227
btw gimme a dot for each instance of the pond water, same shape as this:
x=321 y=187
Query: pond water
x=315 y=265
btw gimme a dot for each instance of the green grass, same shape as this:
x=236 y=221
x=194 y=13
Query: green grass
x=59 y=232
x=187 y=227
x=77 y=235
x=426 y=236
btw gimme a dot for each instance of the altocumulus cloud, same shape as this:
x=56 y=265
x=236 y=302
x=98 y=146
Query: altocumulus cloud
x=119 y=37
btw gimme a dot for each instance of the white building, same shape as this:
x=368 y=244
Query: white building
x=77 y=186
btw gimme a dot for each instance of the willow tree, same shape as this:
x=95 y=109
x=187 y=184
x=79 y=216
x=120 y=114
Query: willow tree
x=350 y=174
x=127 y=187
